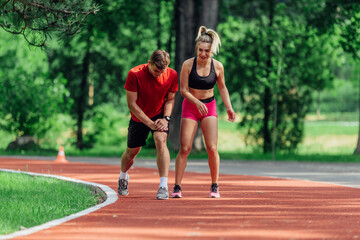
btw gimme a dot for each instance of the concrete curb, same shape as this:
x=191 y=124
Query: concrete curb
x=111 y=197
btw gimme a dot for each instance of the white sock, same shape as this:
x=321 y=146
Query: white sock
x=164 y=182
x=123 y=175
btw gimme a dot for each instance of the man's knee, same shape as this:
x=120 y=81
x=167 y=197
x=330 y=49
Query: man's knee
x=160 y=139
x=131 y=153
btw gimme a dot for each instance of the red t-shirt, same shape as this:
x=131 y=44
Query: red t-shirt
x=151 y=91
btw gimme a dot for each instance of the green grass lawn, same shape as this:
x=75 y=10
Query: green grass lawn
x=28 y=201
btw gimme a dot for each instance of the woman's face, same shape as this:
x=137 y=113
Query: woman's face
x=203 y=51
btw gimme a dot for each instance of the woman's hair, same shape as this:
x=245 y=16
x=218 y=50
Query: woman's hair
x=208 y=35
x=160 y=58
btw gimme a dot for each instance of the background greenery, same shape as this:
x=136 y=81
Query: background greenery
x=292 y=69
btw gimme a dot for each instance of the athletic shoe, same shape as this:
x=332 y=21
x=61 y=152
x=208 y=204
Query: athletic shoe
x=162 y=194
x=123 y=186
x=176 y=193
x=214 y=191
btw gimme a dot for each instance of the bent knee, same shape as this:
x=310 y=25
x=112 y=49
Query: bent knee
x=132 y=152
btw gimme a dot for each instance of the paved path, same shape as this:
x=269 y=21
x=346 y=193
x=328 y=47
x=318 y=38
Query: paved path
x=251 y=207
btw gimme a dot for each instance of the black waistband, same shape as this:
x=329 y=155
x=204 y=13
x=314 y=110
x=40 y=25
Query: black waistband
x=207 y=100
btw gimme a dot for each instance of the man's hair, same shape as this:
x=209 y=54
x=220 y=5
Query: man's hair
x=160 y=58
x=208 y=35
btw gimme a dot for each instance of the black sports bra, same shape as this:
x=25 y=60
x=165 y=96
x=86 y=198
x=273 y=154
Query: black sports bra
x=199 y=82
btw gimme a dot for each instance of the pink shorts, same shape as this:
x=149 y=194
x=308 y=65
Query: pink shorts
x=189 y=110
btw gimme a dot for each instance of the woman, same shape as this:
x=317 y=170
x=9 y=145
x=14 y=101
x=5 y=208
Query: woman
x=197 y=80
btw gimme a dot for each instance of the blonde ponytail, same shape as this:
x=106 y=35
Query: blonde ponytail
x=209 y=36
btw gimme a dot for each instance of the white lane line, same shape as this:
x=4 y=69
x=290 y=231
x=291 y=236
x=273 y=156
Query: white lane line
x=111 y=198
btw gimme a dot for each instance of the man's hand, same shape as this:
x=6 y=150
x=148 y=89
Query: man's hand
x=161 y=125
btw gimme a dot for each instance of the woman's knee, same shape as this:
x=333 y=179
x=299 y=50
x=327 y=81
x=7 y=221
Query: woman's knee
x=212 y=150
x=185 y=150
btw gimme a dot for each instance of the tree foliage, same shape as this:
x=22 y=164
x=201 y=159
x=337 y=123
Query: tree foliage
x=35 y=20
x=96 y=62
x=275 y=61
x=29 y=97
x=276 y=54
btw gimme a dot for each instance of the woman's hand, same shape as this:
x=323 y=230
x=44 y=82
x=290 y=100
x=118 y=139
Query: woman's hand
x=203 y=110
x=231 y=115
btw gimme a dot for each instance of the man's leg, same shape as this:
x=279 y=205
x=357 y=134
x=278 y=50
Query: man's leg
x=163 y=162
x=127 y=160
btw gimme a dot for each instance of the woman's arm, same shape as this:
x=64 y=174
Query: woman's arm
x=224 y=91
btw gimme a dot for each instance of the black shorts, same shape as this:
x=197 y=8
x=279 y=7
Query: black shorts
x=138 y=132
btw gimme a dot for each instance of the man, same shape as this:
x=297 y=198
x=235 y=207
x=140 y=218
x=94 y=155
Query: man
x=150 y=91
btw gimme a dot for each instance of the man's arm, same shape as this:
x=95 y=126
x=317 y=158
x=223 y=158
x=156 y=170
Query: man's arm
x=137 y=111
x=169 y=104
x=162 y=124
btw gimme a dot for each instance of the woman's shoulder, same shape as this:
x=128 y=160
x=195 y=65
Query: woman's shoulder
x=188 y=62
x=217 y=64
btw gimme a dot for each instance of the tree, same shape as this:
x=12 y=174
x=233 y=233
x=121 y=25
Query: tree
x=274 y=61
x=96 y=62
x=343 y=18
x=35 y=20
x=187 y=23
x=29 y=97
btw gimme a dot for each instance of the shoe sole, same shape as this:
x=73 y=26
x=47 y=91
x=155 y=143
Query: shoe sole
x=161 y=198
x=121 y=194
x=214 y=196
x=176 y=196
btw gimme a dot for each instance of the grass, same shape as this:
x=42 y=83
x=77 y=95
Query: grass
x=27 y=201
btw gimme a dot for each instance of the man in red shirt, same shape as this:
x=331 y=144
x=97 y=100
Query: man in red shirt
x=150 y=91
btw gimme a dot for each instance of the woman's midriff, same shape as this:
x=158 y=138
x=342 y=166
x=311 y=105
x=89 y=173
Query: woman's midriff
x=201 y=94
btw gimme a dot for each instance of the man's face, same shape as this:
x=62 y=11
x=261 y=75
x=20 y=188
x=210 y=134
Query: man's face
x=155 y=71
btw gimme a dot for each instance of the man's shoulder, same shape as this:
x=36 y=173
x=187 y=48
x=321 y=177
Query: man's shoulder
x=138 y=69
x=171 y=72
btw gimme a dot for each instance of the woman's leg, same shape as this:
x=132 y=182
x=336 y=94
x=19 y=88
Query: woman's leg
x=188 y=129
x=209 y=127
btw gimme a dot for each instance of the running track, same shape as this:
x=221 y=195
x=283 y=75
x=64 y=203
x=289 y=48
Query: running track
x=250 y=207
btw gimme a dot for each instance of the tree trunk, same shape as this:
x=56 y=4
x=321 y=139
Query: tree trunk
x=209 y=19
x=357 y=150
x=318 y=106
x=276 y=90
x=267 y=94
x=209 y=14
x=82 y=99
x=185 y=35
x=158 y=23
x=186 y=19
